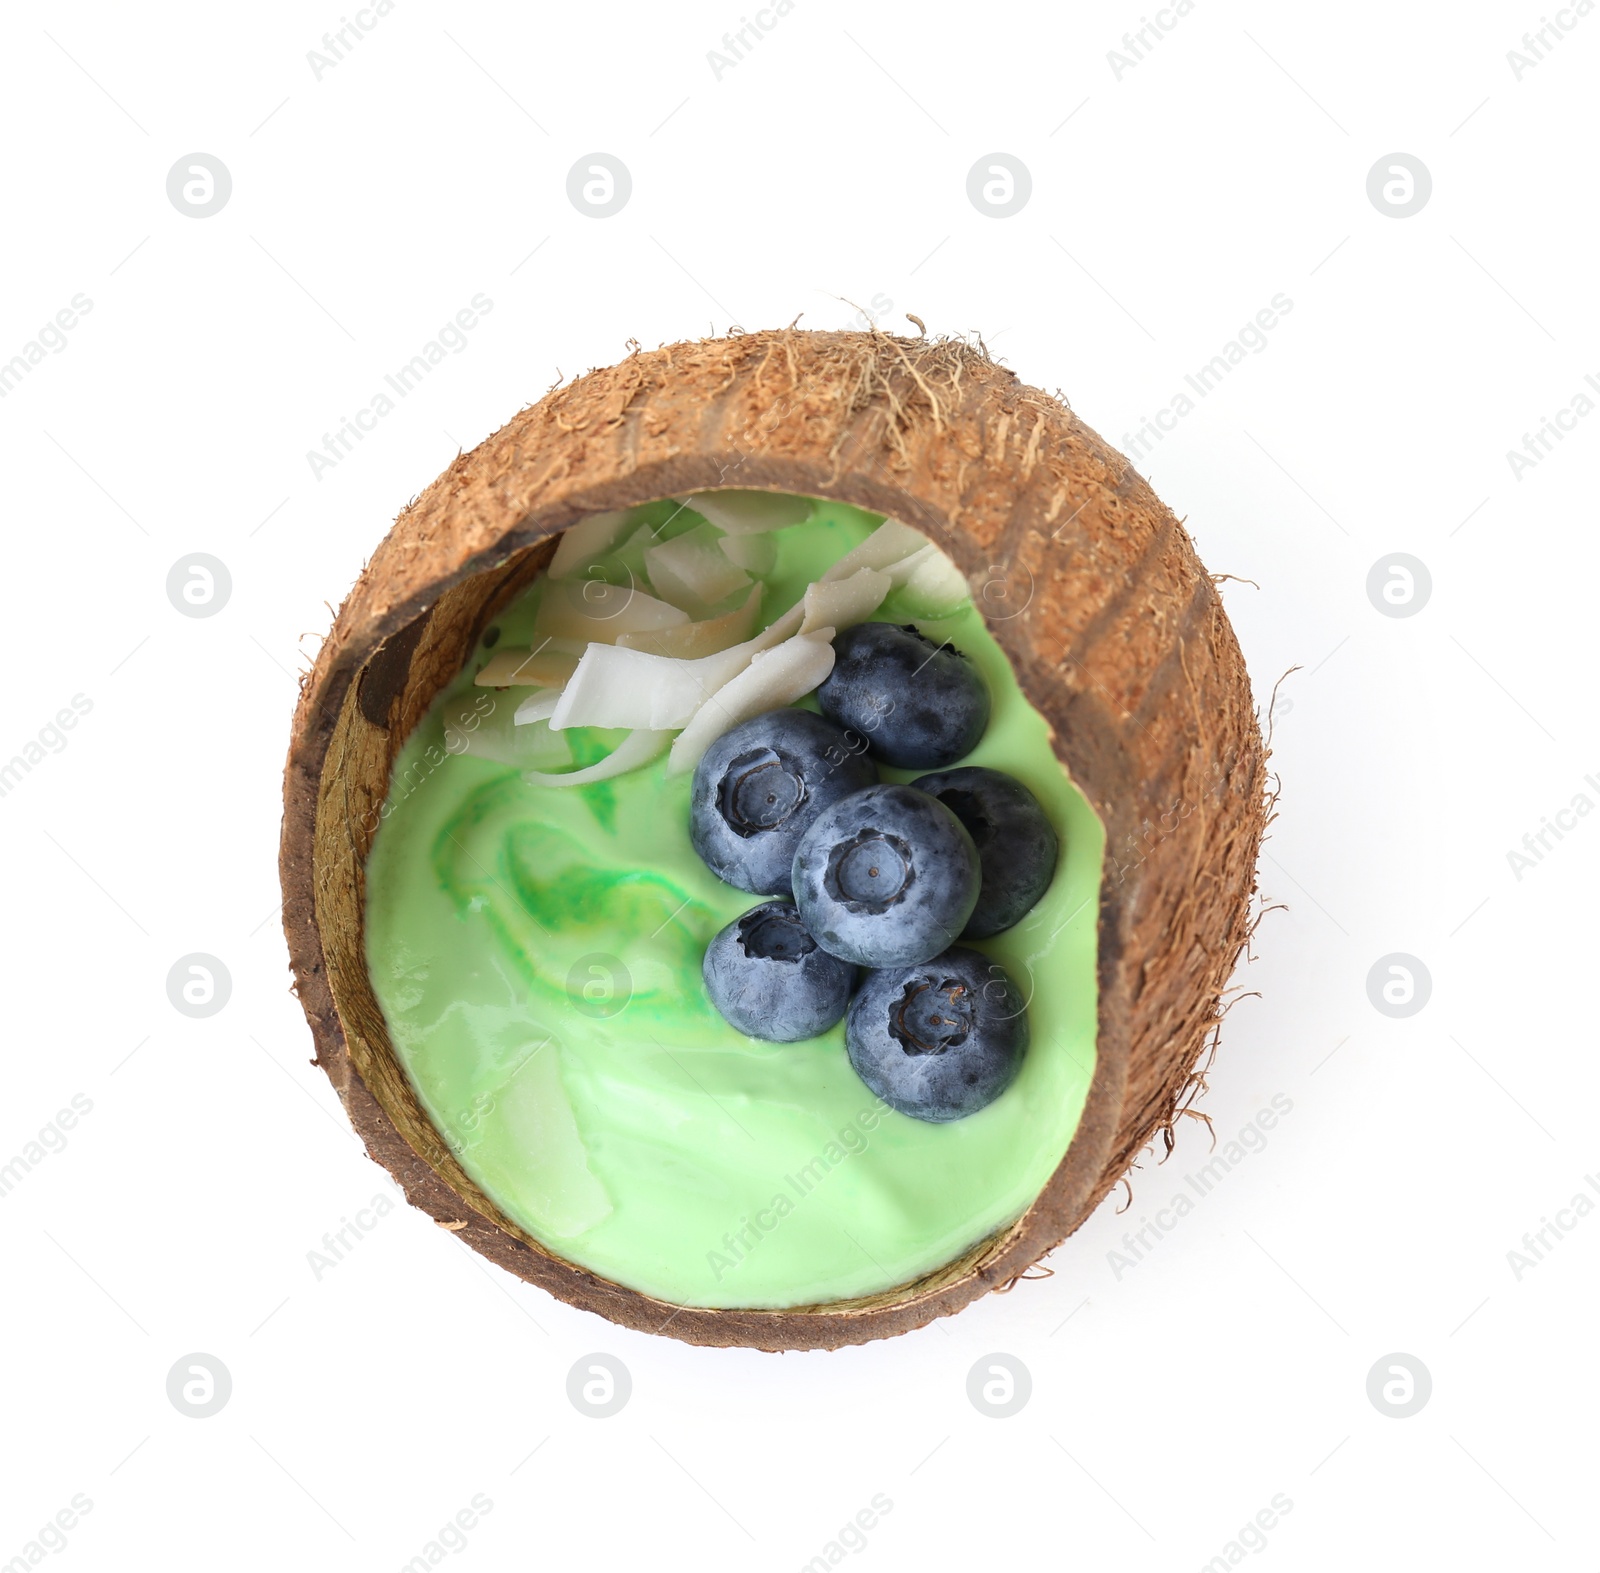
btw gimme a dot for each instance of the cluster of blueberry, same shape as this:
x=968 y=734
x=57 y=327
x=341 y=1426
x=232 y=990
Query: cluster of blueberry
x=879 y=876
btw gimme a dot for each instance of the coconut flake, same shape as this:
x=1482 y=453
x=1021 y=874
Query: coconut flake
x=887 y=544
x=691 y=570
x=774 y=678
x=901 y=571
x=637 y=748
x=587 y=539
x=537 y=707
x=600 y=613
x=936 y=585
x=785 y=627
x=845 y=602
x=739 y=512
x=617 y=686
x=688 y=641
x=545 y=667
x=652 y=688
x=753 y=553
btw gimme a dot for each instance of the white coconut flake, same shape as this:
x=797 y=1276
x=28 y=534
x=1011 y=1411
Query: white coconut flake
x=616 y=686
x=845 y=602
x=739 y=512
x=537 y=707
x=774 y=678
x=890 y=542
x=637 y=748
x=753 y=553
x=901 y=571
x=691 y=570
x=688 y=641
x=661 y=687
x=936 y=585
x=587 y=539
x=546 y=667
x=785 y=627
x=600 y=613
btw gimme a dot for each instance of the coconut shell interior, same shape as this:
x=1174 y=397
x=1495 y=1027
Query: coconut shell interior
x=1089 y=584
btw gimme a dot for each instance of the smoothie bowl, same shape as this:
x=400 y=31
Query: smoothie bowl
x=767 y=834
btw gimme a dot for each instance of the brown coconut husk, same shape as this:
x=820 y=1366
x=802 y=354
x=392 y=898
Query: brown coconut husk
x=1091 y=586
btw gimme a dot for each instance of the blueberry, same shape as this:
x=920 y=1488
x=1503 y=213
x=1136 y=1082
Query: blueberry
x=886 y=878
x=1017 y=846
x=921 y=705
x=771 y=980
x=758 y=788
x=941 y=1040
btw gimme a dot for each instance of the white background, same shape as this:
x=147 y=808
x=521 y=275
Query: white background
x=1169 y=1403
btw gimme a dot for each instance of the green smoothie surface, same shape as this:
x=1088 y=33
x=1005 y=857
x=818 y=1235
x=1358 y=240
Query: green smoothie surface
x=536 y=951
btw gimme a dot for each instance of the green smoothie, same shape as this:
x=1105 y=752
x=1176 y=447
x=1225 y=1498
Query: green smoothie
x=536 y=951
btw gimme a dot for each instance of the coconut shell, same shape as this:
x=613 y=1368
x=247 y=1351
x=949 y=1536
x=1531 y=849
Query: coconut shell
x=1090 y=585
